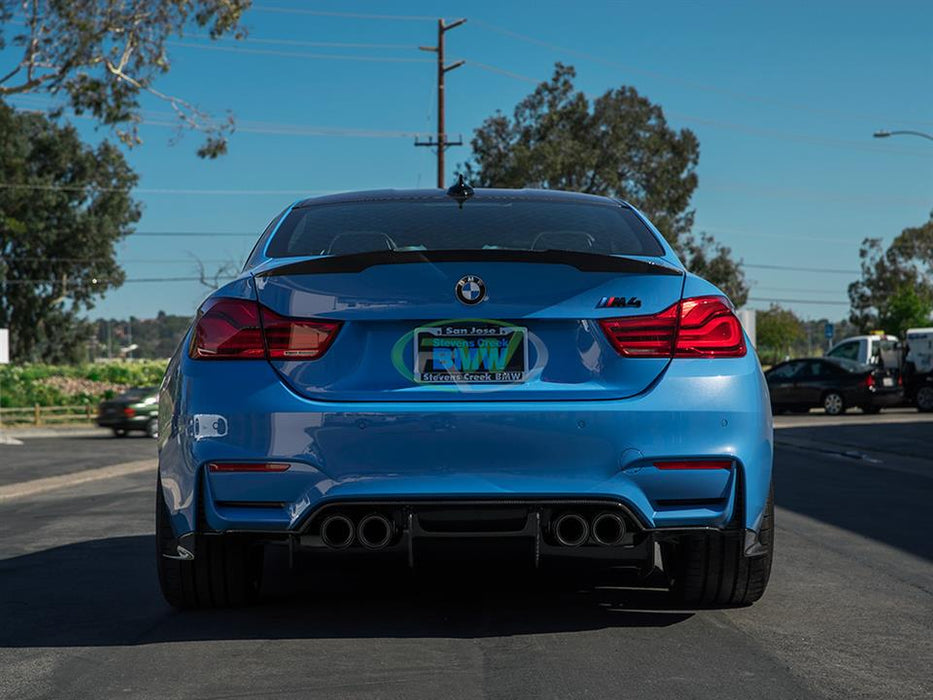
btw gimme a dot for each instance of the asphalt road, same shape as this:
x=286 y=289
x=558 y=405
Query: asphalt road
x=849 y=612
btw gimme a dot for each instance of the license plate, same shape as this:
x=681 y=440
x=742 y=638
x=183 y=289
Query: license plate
x=467 y=353
x=887 y=381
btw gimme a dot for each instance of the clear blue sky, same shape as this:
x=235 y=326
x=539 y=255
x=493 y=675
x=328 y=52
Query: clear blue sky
x=784 y=99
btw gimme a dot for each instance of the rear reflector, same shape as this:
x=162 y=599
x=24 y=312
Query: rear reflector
x=248 y=466
x=695 y=464
x=240 y=329
x=694 y=327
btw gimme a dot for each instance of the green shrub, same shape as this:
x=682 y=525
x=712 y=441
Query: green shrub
x=49 y=385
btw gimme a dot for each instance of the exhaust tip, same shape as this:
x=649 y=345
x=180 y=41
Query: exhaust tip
x=375 y=531
x=571 y=530
x=337 y=531
x=608 y=529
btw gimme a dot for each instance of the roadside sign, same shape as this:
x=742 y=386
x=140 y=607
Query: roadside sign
x=4 y=346
x=829 y=331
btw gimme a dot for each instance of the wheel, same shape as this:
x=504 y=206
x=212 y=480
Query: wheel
x=152 y=428
x=225 y=572
x=924 y=399
x=871 y=410
x=834 y=404
x=119 y=432
x=712 y=570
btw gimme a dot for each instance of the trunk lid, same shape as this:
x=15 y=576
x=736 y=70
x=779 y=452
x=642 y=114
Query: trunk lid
x=538 y=307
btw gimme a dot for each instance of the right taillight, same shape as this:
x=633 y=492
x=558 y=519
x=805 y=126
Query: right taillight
x=694 y=327
x=239 y=329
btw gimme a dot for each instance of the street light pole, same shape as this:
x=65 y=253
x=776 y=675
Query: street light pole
x=885 y=134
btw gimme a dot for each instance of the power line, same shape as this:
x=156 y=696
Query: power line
x=295 y=54
x=829 y=271
x=155 y=190
x=799 y=301
x=348 y=15
x=299 y=42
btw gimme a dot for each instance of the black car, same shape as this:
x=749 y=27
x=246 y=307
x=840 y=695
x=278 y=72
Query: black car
x=832 y=383
x=135 y=409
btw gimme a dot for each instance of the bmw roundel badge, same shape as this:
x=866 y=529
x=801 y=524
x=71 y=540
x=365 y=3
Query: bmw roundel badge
x=471 y=290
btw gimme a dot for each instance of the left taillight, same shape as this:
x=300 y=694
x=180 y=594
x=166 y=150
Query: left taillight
x=694 y=327
x=239 y=329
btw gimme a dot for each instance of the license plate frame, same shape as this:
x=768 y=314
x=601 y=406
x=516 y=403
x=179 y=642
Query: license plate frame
x=470 y=353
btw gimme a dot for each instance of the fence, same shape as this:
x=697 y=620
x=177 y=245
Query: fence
x=48 y=415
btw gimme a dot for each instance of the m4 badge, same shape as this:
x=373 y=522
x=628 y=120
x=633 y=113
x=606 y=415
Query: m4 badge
x=619 y=303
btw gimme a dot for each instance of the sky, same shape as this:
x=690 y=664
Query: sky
x=784 y=98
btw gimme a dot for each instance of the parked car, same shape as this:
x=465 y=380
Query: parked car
x=506 y=369
x=833 y=384
x=134 y=409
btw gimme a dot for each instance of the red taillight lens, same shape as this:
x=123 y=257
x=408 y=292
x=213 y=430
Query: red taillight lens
x=129 y=412
x=643 y=336
x=695 y=464
x=248 y=466
x=296 y=338
x=869 y=381
x=228 y=329
x=695 y=327
x=239 y=329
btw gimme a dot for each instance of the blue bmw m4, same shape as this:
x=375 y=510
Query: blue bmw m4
x=398 y=371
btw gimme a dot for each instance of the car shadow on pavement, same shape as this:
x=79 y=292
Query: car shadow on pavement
x=105 y=593
x=875 y=481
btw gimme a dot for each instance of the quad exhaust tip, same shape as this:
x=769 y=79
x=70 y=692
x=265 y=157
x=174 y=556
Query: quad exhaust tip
x=608 y=529
x=571 y=530
x=337 y=531
x=375 y=531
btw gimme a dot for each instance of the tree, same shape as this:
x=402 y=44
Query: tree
x=894 y=280
x=104 y=54
x=713 y=261
x=620 y=146
x=905 y=309
x=777 y=331
x=58 y=233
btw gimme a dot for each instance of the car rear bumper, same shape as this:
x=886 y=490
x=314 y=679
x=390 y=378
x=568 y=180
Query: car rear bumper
x=414 y=452
x=124 y=423
x=883 y=398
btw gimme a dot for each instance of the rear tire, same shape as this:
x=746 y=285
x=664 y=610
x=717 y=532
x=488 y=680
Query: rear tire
x=924 y=399
x=834 y=404
x=712 y=569
x=152 y=428
x=226 y=571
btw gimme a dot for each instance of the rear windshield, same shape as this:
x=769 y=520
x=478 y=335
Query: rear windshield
x=510 y=224
x=850 y=365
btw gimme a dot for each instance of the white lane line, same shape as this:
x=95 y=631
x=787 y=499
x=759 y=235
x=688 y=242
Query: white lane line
x=34 y=486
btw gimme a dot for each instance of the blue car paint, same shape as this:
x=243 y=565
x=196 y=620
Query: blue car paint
x=564 y=447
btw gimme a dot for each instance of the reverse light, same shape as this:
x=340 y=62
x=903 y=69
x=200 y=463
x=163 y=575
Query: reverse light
x=248 y=466
x=695 y=464
x=694 y=327
x=240 y=329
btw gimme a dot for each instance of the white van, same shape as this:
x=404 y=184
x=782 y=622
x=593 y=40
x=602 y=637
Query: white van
x=868 y=349
x=920 y=349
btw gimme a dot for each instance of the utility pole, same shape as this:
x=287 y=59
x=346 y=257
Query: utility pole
x=441 y=143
